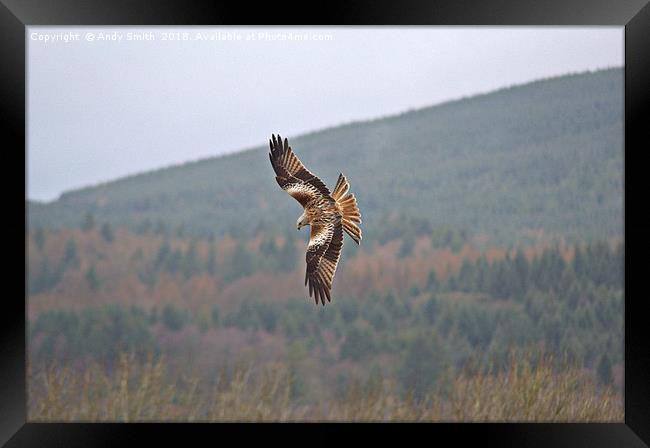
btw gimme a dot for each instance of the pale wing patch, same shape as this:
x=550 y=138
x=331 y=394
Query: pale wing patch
x=290 y=170
x=321 y=236
x=303 y=193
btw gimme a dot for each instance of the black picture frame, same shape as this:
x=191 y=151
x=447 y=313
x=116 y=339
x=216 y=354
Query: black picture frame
x=634 y=15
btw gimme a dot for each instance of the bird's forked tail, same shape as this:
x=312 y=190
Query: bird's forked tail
x=348 y=204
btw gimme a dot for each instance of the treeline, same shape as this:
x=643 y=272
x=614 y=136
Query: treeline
x=572 y=308
x=280 y=252
x=271 y=256
x=407 y=229
x=512 y=277
x=49 y=271
x=242 y=262
x=277 y=251
x=100 y=332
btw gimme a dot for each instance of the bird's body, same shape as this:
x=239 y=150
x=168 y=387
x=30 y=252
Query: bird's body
x=327 y=214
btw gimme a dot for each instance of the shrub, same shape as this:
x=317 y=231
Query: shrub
x=173 y=318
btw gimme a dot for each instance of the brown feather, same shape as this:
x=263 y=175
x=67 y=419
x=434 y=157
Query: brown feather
x=290 y=171
x=322 y=258
x=329 y=215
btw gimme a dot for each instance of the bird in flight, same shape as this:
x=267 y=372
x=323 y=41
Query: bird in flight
x=327 y=214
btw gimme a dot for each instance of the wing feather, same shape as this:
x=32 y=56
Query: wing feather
x=291 y=174
x=322 y=258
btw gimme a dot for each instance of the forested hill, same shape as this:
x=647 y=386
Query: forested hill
x=545 y=156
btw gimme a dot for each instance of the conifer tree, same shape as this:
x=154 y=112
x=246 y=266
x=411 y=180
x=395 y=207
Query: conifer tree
x=89 y=222
x=70 y=257
x=107 y=232
x=92 y=278
x=39 y=238
x=211 y=265
x=287 y=257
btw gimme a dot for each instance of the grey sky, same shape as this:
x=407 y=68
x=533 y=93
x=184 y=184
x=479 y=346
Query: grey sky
x=99 y=110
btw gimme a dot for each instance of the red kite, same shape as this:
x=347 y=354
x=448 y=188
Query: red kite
x=327 y=214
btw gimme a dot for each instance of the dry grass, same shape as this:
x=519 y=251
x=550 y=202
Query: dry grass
x=146 y=392
x=534 y=392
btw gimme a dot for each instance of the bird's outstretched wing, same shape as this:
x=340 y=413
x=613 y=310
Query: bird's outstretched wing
x=323 y=253
x=291 y=174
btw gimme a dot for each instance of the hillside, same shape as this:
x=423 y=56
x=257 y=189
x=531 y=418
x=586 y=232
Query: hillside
x=415 y=316
x=546 y=156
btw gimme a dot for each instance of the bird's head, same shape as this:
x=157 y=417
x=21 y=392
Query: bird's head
x=302 y=221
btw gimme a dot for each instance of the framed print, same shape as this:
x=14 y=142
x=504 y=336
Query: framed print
x=460 y=179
